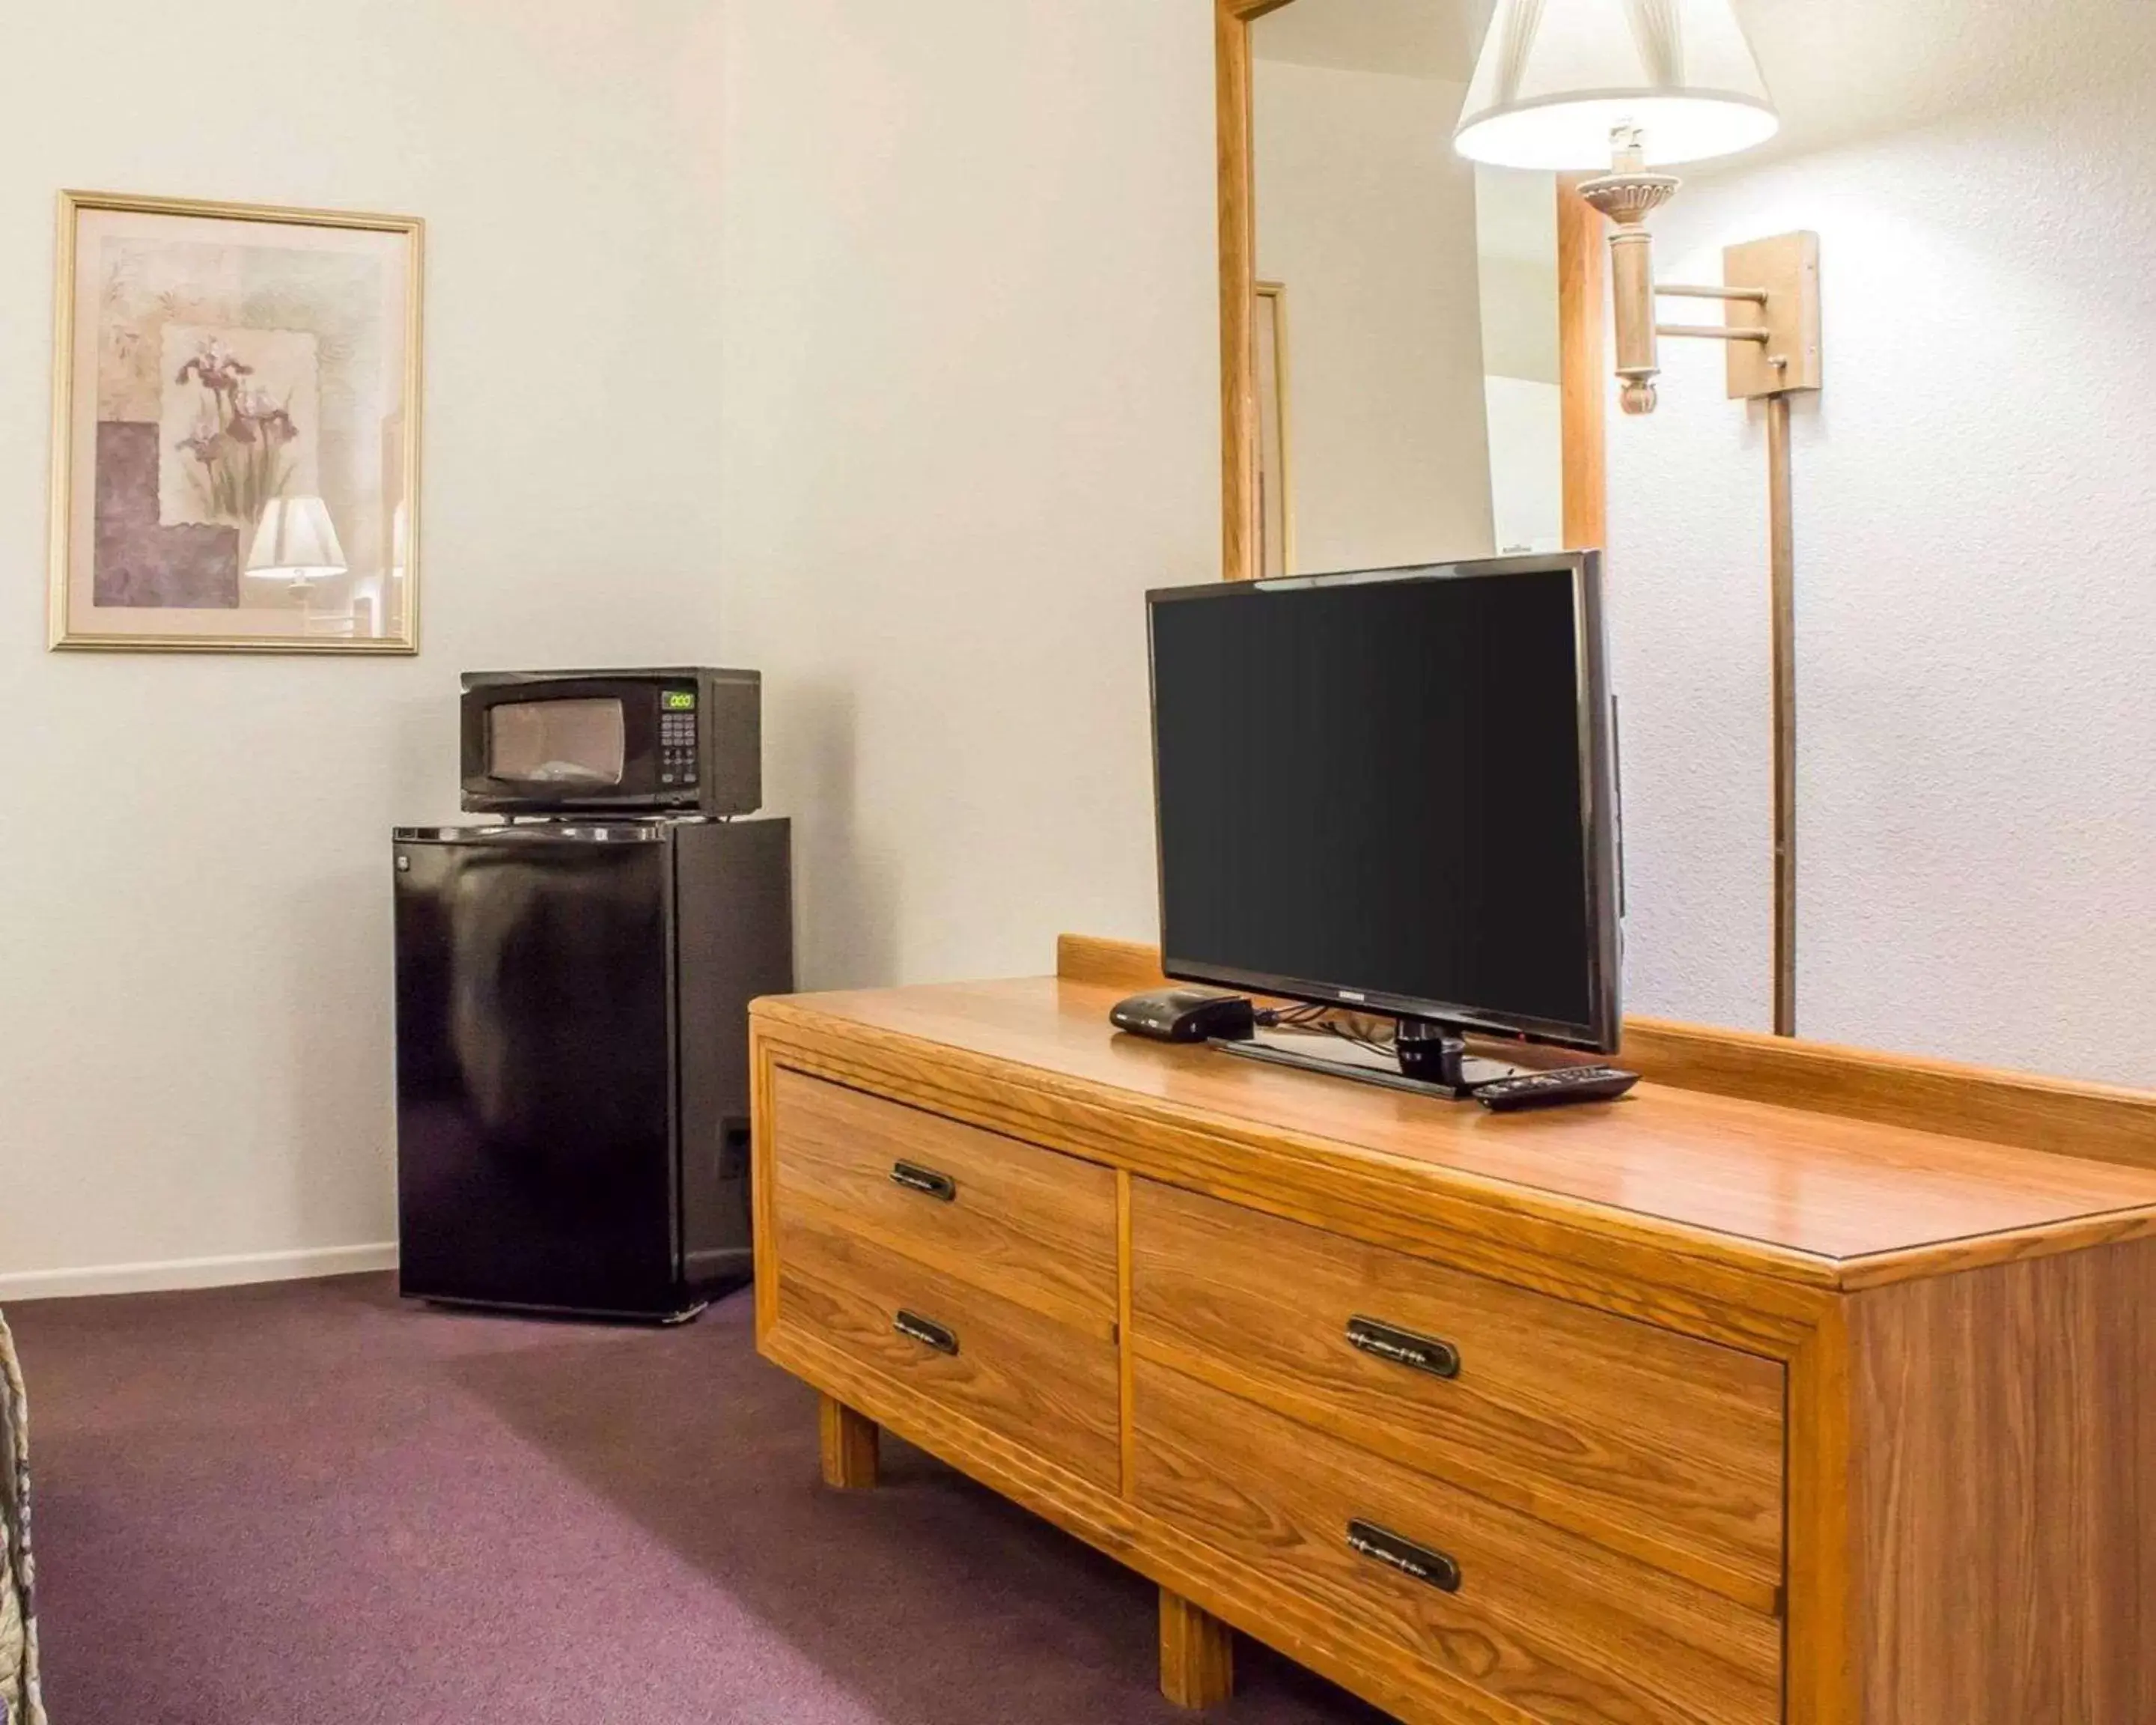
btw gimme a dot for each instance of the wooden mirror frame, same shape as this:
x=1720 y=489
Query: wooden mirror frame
x=1580 y=255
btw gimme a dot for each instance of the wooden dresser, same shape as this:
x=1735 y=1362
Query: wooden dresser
x=1745 y=1399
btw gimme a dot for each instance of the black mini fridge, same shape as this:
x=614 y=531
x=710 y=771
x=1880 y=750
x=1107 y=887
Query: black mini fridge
x=572 y=1083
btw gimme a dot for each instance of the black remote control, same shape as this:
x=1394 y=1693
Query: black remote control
x=1560 y=1084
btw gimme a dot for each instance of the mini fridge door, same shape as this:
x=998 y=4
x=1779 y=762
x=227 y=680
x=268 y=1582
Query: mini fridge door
x=535 y=1050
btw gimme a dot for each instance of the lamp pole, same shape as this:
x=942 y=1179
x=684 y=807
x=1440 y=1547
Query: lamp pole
x=1563 y=84
x=1770 y=301
x=1782 y=555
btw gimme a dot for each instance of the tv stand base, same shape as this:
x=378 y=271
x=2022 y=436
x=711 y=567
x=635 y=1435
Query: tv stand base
x=1369 y=1067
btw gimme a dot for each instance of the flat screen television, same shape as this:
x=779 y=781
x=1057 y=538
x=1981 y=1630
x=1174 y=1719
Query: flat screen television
x=1394 y=791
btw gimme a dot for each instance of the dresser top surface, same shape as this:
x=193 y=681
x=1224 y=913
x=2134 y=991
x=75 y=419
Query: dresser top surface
x=1802 y=1190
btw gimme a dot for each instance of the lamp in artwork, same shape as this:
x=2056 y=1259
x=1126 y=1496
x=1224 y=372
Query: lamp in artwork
x=296 y=542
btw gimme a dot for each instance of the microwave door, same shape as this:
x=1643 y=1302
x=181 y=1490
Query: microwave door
x=575 y=746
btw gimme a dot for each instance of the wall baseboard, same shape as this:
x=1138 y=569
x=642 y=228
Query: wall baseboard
x=197 y=1272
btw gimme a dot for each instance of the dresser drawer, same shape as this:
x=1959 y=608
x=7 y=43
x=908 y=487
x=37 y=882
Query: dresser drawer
x=1032 y=1226
x=1053 y=1390
x=1657 y=1444
x=1538 y=1620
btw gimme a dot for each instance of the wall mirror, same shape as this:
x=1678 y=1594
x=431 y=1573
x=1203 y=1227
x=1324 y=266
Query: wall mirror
x=1973 y=584
x=1398 y=323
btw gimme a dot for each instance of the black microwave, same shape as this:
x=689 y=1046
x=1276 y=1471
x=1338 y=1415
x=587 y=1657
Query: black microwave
x=613 y=742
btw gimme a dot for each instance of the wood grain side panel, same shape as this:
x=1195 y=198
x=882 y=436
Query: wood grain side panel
x=2003 y=1436
x=1025 y=1223
x=1821 y=1609
x=1014 y=1372
x=1551 y=1624
x=2139 y=1280
x=1657 y=1444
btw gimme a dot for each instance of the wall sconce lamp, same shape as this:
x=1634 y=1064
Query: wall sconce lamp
x=1640 y=84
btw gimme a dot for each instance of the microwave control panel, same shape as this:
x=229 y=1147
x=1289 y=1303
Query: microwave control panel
x=677 y=737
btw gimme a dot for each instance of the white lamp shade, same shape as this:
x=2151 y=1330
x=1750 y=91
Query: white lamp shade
x=296 y=540
x=1557 y=77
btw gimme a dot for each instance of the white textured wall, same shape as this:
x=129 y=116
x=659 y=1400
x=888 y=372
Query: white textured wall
x=950 y=274
x=1415 y=38
x=1976 y=536
x=194 y=947
x=957 y=268
x=1369 y=220
x=972 y=392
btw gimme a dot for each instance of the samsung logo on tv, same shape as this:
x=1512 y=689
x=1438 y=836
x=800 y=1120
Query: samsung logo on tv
x=1353 y=994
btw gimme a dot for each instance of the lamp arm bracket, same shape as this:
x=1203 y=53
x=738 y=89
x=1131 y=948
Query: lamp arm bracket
x=1715 y=332
x=1749 y=295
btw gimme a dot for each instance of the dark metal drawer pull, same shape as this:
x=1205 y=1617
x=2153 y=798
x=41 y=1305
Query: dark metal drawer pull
x=1403 y=1347
x=926 y=1180
x=926 y=1332
x=1383 y=1546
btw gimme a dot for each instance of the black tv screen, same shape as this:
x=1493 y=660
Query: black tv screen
x=1393 y=791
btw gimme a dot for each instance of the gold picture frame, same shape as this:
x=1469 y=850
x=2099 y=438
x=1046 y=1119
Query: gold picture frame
x=235 y=438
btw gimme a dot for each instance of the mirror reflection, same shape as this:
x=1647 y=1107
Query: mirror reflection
x=1406 y=302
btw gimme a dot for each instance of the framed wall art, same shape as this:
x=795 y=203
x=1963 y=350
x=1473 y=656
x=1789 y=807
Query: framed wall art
x=235 y=428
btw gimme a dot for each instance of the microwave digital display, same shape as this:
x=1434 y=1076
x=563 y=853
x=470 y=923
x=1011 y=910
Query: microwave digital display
x=680 y=700
x=557 y=742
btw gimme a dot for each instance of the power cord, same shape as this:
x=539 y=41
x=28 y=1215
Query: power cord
x=1321 y=1019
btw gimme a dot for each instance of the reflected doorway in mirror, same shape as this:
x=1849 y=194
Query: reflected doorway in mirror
x=1275 y=483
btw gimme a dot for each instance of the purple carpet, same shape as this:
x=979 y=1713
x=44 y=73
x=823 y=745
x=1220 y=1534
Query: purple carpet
x=310 y=1504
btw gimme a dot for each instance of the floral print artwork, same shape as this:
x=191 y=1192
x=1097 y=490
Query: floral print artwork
x=240 y=442
x=219 y=359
